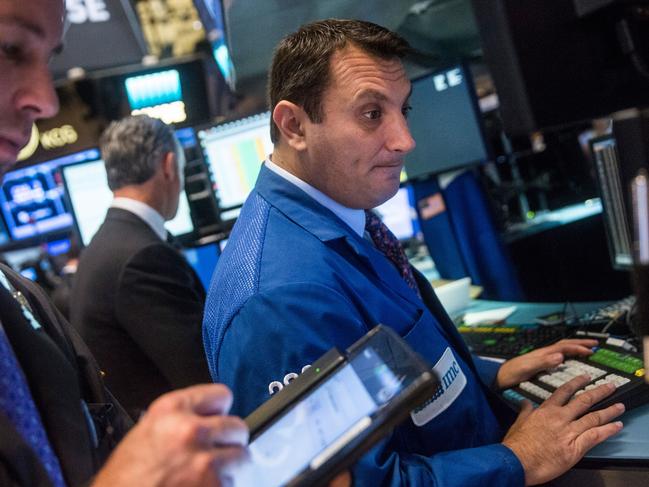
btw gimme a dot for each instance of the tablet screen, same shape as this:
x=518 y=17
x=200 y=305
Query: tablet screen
x=312 y=430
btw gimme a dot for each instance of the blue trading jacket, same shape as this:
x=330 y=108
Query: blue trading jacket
x=295 y=281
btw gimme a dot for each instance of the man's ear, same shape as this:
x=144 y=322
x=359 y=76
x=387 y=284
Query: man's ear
x=290 y=119
x=169 y=166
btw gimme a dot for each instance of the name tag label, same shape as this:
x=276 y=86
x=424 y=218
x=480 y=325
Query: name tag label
x=452 y=384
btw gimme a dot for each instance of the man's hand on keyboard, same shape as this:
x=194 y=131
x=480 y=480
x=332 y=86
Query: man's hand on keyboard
x=526 y=366
x=551 y=439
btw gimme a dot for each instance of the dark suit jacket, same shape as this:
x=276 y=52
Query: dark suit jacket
x=138 y=305
x=64 y=381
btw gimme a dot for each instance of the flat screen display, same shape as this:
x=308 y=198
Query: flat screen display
x=445 y=122
x=613 y=193
x=32 y=198
x=90 y=198
x=203 y=259
x=399 y=214
x=234 y=152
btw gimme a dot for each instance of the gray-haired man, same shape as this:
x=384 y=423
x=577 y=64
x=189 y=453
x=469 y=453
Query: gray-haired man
x=136 y=301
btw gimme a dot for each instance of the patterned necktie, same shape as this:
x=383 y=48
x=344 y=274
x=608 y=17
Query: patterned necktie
x=385 y=241
x=17 y=404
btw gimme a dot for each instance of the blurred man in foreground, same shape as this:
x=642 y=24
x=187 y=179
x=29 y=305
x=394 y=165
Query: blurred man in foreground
x=57 y=421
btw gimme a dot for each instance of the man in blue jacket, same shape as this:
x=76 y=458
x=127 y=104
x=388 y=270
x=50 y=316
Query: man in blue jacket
x=307 y=268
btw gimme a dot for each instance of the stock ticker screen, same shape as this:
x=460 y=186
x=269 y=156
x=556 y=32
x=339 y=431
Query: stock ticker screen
x=32 y=199
x=234 y=152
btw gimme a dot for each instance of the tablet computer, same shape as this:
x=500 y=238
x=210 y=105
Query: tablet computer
x=324 y=420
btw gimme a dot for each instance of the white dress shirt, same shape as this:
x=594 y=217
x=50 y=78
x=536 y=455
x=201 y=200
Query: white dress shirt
x=354 y=218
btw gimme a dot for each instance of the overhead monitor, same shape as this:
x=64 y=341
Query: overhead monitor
x=90 y=198
x=234 y=152
x=563 y=61
x=175 y=91
x=613 y=195
x=212 y=16
x=445 y=122
x=32 y=198
x=400 y=215
x=158 y=95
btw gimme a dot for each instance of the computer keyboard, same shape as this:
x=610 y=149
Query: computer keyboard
x=510 y=341
x=607 y=364
x=611 y=313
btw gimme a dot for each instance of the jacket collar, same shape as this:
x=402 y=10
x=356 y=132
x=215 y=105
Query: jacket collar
x=301 y=208
x=325 y=225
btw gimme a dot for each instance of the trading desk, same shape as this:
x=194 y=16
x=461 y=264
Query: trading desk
x=630 y=447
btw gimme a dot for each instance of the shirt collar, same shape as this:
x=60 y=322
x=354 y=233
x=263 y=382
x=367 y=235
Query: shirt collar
x=150 y=216
x=354 y=218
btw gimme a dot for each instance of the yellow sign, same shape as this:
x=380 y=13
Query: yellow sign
x=169 y=113
x=31 y=146
x=58 y=137
x=50 y=139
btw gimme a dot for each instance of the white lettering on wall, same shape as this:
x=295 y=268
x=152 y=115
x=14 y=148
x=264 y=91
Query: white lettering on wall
x=82 y=11
x=448 y=80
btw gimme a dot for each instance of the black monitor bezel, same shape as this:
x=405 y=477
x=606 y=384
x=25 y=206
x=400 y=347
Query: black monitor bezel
x=475 y=104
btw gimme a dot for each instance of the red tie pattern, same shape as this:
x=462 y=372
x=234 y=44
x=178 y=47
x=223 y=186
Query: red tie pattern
x=385 y=241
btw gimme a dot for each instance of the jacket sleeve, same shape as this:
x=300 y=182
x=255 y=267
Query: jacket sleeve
x=487 y=370
x=160 y=308
x=278 y=332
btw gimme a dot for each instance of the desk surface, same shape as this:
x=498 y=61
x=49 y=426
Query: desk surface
x=632 y=443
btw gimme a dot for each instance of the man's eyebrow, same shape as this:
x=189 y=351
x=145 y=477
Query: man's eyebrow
x=371 y=94
x=25 y=24
x=378 y=96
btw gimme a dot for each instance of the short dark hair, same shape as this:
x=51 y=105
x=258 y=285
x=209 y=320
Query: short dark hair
x=133 y=147
x=300 y=71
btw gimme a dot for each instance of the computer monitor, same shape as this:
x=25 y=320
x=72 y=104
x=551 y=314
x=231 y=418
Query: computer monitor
x=203 y=259
x=562 y=61
x=89 y=196
x=175 y=91
x=32 y=198
x=400 y=215
x=58 y=247
x=234 y=152
x=614 y=200
x=186 y=137
x=16 y=258
x=445 y=122
x=212 y=16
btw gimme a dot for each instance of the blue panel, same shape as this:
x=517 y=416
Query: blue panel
x=153 y=89
x=203 y=260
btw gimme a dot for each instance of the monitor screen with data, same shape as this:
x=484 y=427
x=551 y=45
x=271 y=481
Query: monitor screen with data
x=90 y=197
x=399 y=214
x=32 y=198
x=234 y=152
